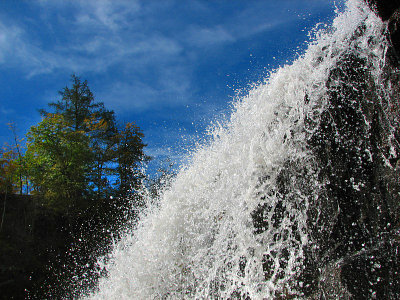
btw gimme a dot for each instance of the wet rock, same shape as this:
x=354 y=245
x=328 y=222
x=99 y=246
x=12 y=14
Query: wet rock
x=389 y=11
x=357 y=145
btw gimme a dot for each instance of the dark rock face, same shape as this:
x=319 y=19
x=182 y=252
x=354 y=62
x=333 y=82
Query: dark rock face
x=362 y=174
x=389 y=10
x=357 y=145
x=385 y=8
x=354 y=227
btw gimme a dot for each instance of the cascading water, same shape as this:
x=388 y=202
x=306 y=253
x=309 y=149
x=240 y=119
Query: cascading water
x=245 y=218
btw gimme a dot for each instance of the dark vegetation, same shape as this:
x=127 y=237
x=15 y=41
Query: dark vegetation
x=65 y=196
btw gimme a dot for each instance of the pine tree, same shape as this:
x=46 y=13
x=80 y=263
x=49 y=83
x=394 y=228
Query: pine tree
x=78 y=127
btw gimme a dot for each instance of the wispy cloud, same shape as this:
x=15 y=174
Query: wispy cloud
x=4 y=111
x=15 y=50
x=183 y=144
x=154 y=44
x=162 y=63
x=9 y=37
x=209 y=37
x=98 y=34
x=106 y=14
x=168 y=87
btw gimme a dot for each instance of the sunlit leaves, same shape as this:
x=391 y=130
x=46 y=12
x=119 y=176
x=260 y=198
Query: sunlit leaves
x=79 y=151
x=59 y=159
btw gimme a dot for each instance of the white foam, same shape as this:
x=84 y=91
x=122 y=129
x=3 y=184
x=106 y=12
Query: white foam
x=200 y=241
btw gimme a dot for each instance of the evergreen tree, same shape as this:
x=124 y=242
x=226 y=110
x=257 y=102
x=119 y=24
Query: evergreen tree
x=77 y=106
x=105 y=158
x=83 y=167
x=83 y=114
x=129 y=155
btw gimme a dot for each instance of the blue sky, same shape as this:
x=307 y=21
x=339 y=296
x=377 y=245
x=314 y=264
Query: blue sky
x=170 y=66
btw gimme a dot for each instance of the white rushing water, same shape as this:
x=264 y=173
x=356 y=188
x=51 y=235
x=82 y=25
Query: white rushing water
x=227 y=227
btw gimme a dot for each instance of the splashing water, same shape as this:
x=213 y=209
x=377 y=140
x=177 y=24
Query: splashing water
x=233 y=224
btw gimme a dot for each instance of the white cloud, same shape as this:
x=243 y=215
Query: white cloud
x=127 y=36
x=101 y=34
x=105 y=14
x=125 y=97
x=98 y=34
x=98 y=40
x=171 y=86
x=155 y=48
x=17 y=51
x=209 y=37
x=179 y=149
x=9 y=37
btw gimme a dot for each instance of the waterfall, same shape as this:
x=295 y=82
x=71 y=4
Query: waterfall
x=254 y=213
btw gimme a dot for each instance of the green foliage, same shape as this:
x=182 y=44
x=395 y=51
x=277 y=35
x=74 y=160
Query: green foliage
x=59 y=160
x=82 y=114
x=82 y=170
x=77 y=151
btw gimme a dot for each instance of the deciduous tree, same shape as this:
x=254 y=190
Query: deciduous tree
x=59 y=160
